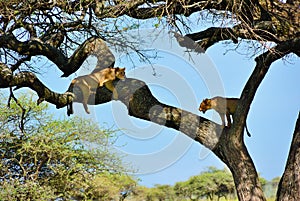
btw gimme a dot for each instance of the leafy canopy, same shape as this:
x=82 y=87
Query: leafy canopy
x=45 y=158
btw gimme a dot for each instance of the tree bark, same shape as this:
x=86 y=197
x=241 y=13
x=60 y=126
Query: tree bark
x=289 y=185
x=233 y=152
x=92 y=46
x=137 y=97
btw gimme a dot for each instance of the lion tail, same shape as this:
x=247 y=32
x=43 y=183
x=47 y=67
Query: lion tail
x=248 y=133
x=70 y=105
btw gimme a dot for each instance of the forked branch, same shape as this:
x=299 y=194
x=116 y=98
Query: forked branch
x=92 y=46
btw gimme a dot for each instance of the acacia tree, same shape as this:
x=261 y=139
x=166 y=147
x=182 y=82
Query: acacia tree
x=211 y=183
x=43 y=158
x=67 y=32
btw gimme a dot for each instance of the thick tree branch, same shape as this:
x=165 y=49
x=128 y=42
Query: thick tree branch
x=255 y=21
x=54 y=40
x=34 y=47
x=134 y=93
x=212 y=35
x=28 y=79
x=140 y=102
x=186 y=8
x=263 y=63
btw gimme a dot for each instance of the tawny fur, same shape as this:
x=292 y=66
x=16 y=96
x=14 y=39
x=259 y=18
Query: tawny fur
x=224 y=107
x=89 y=83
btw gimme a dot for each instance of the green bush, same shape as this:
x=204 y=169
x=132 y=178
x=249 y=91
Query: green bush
x=43 y=158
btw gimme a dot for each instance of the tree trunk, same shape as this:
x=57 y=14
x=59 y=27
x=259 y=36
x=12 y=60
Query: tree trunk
x=234 y=154
x=289 y=185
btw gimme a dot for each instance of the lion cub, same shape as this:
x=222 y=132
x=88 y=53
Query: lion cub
x=224 y=106
x=89 y=83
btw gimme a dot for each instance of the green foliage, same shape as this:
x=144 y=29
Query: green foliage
x=108 y=186
x=263 y=181
x=209 y=184
x=183 y=190
x=270 y=188
x=42 y=158
x=212 y=184
x=161 y=192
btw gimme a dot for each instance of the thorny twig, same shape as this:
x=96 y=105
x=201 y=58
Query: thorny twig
x=22 y=121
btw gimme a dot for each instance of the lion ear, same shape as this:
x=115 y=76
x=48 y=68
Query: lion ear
x=208 y=101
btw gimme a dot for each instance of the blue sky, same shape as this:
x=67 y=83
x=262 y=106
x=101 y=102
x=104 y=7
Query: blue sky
x=160 y=155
